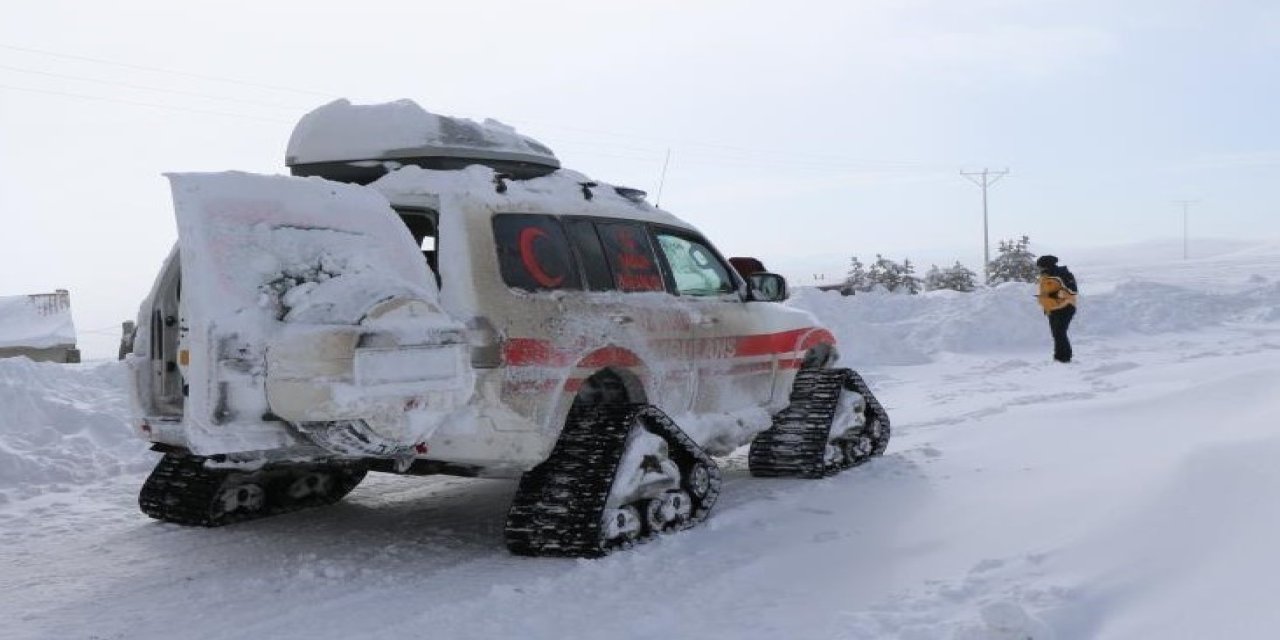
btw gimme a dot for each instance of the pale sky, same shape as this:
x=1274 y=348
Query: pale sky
x=800 y=132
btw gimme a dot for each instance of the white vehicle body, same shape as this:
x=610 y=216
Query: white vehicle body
x=298 y=319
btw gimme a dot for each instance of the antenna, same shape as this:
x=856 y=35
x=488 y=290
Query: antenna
x=657 y=201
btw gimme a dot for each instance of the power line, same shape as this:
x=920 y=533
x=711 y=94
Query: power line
x=147 y=88
x=749 y=155
x=777 y=160
x=175 y=72
x=988 y=178
x=824 y=159
x=743 y=162
x=136 y=103
x=713 y=154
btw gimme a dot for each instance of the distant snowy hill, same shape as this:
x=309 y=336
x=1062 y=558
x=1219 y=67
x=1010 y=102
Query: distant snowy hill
x=1229 y=261
x=1218 y=265
x=888 y=329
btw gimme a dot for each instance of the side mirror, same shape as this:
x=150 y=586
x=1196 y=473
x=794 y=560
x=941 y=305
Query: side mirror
x=767 y=287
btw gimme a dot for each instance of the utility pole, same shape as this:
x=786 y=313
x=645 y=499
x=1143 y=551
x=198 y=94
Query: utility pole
x=984 y=180
x=1185 y=204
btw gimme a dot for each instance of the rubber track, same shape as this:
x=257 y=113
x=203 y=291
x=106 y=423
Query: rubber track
x=875 y=411
x=559 y=508
x=181 y=489
x=795 y=446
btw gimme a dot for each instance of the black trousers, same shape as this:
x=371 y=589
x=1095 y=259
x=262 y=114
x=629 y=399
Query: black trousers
x=1059 y=320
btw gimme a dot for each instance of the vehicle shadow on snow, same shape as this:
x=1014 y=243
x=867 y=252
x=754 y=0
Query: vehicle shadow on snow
x=416 y=526
x=390 y=532
x=420 y=544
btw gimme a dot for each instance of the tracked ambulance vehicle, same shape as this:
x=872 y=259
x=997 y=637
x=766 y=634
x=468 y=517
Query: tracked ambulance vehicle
x=431 y=295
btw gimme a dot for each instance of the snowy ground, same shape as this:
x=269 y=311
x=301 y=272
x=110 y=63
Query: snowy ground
x=1127 y=495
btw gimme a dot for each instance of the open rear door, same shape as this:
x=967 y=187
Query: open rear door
x=306 y=302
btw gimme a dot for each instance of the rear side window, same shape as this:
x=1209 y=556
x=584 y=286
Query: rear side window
x=582 y=233
x=630 y=256
x=533 y=253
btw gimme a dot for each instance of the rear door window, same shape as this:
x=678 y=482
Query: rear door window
x=630 y=256
x=534 y=253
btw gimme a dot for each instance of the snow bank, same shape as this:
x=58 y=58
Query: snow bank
x=38 y=322
x=64 y=424
x=889 y=329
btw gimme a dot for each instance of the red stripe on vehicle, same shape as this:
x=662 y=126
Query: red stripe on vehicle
x=610 y=356
x=769 y=343
x=751 y=367
x=532 y=352
x=815 y=338
x=529 y=352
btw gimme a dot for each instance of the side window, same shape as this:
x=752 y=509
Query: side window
x=425 y=231
x=533 y=253
x=582 y=233
x=631 y=257
x=696 y=269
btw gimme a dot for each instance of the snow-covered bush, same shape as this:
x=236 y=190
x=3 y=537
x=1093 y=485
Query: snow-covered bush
x=856 y=279
x=907 y=280
x=954 y=278
x=884 y=274
x=892 y=276
x=1014 y=263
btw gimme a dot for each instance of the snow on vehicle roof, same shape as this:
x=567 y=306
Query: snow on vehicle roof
x=36 y=321
x=344 y=132
x=563 y=192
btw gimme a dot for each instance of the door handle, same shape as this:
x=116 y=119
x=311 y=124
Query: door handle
x=620 y=318
x=707 y=321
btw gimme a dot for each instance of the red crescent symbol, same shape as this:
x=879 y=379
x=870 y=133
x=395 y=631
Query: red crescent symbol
x=528 y=236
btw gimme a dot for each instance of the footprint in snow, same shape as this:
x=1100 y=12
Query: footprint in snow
x=1005 y=620
x=1111 y=369
x=1058 y=397
x=930 y=451
x=989 y=564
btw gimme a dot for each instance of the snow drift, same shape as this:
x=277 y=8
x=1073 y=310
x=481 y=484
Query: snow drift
x=897 y=329
x=64 y=424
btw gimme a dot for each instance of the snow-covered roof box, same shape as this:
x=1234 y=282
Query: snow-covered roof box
x=360 y=143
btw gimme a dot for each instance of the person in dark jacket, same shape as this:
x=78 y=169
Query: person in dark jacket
x=1057 y=297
